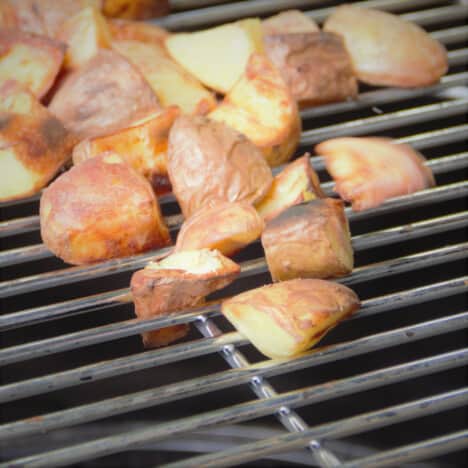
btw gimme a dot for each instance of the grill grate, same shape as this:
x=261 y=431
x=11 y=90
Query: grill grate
x=73 y=316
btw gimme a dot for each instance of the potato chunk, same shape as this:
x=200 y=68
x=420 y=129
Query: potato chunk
x=208 y=162
x=178 y=282
x=289 y=22
x=31 y=60
x=368 y=171
x=171 y=83
x=8 y=17
x=219 y=55
x=285 y=319
x=232 y=226
x=309 y=241
x=296 y=183
x=135 y=9
x=99 y=210
x=387 y=50
x=103 y=96
x=261 y=107
x=124 y=30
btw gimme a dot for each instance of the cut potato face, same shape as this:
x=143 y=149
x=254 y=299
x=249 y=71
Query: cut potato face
x=386 y=50
x=208 y=163
x=103 y=96
x=232 y=227
x=311 y=240
x=99 y=210
x=261 y=107
x=124 y=30
x=171 y=83
x=31 y=60
x=289 y=22
x=368 y=171
x=296 y=183
x=285 y=319
x=135 y=9
x=217 y=56
x=17 y=99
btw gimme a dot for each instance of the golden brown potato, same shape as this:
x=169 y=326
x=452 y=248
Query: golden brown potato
x=368 y=171
x=178 y=282
x=103 y=96
x=261 y=107
x=31 y=60
x=171 y=83
x=123 y=30
x=296 y=183
x=84 y=33
x=99 y=210
x=309 y=241
x=135 y=9
x=232 y=226
x=208 y=162
x=387 y=50
x=285 y=319
x=289 y=21
x=316 y=66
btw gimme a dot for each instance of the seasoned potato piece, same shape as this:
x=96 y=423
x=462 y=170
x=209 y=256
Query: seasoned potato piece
x=103 y=96
x=84 y=33
x=135 y=9
x=16 y=98
x=316 y=66
x=208 y=162
x=217 y=56
x=232 y=226
x=178 y=282
x=387 y=50
x=309 y=241
x=285 y=319
x=8 y=17
x=31 y=60
x=171 y=83
x=287 y=22
x=123 y=30
x=296 y=183
x=261 y=107
x=368 y=171
x=99 y=210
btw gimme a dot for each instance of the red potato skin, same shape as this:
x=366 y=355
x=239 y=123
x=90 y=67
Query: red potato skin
x=101 y=210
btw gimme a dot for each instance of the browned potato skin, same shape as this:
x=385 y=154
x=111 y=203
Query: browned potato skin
x=303 y=241
x=103 y=96
x=316 y=66
x=99 y=210
x=287 y=22
x=208 y=163
x=125 y=30
x=293 y=315
x=227 y=227
x=8 y=17
x=296 y=183
x=135 y=9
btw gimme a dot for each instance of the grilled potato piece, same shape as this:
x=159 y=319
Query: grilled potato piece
x=387 y=50
x=171 y=83
x=261 y=107
x=289 y=22
x=99 y=210
x=309 y=241
x=368 y=171
x=124 y=30
x=208 y=162
x=285 y=319
x=296 y=183
x=232 y=226
x=31 y=60
x=103 y=96
x=179 y=281
x=135 y=9
x=217 y=56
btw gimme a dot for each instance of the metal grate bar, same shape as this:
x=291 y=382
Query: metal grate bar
x=246 y=411
x=437 y=15
x=452 y=35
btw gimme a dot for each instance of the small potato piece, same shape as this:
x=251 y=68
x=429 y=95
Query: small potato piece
x=309 y=241
x=261 y=107
x=289 y=21
x=99 y=210
x=232 y=226
x=85 y=33
x=208 y=162
x=285 y=319
x=103 y=96
x=17 y=99
x=316 y=66
x=123 y=30
x=135 y=9
x=171 y=83
x=178 y=282
x=217 y=56
x=368 y=171
x=387 y=50
x=296 y=183
x=31 y=60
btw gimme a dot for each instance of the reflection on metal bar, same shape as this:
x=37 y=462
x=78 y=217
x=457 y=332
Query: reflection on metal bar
x=452 y=35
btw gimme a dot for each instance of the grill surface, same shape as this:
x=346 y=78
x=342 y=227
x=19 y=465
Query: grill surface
x=78 y=386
